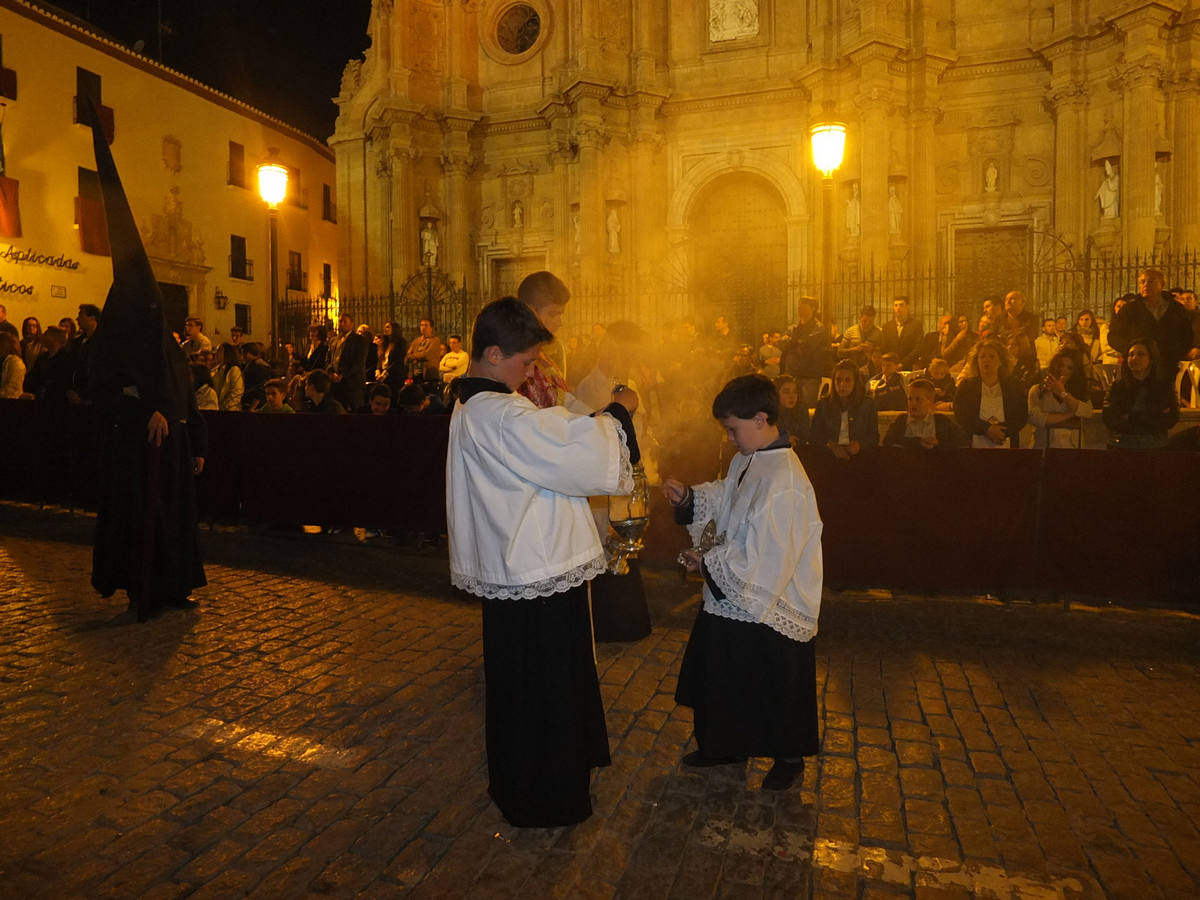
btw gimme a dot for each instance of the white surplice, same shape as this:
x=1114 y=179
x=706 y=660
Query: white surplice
x=768 y=564
x=517 y=483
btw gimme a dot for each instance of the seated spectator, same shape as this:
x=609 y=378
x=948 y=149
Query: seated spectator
x=255 y=374
x=861 y=338
x=1060 y=402
x=990 y=405
x=930 y=345
x=957 y=343
x=1046 y=344
x=379 y=400
x=227 y=379
x=1072 y=343
x=53 y=374
x=887 y=389
x=202 y=387
x=411 y=400
x=793 y=415
x=944 y=387
x=275 y=398
x=454 y=363
x=67 y=324
x=1142 y=406
x=846 y=422
x=12 y=366
x=920 y=426
x=1088 y=330
x=318 y=389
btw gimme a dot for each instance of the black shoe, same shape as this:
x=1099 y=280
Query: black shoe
x=783 y=775
x=698 y=760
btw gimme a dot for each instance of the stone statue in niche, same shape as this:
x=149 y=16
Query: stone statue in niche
x=429 y=246
x=990 y=177
x=1158 y=190
x=854 y=212
x=894 y=210
x=729 y=20
x=1109 y=193
x=518 y=214
x=613 y=224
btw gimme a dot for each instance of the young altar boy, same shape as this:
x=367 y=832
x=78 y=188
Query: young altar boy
x=749 y=671
x=522 y=537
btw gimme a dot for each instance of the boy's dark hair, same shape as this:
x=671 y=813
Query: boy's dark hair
x=320 y=381
x=200 y=375
x=890 y=357
x=277 y=384
x=923 y=384
x=509 y=324
x=411 y=395
x=542 y=289
x=747 y=396
x=380 y=390
x=91 y=310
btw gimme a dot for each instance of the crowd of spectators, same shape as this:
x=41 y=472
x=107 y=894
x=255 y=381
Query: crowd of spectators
x=957 y=385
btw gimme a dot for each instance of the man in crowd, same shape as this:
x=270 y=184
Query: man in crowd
x=348 y=364
x=804 y=357
x=1017 y=329
x=424 y=354
x=196 y=341
x=454 y=363
x=88 y=320
x=1046 y=344
x=6 y=325
x=861 y=338
x=902 y=334
x=920 y=426
x=1157 y=316
x=318 y=389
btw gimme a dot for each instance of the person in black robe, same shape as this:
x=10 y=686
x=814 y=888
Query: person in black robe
x=146 y=540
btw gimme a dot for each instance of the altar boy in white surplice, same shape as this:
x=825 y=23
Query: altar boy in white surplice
x=522 y=537
x=749 y=670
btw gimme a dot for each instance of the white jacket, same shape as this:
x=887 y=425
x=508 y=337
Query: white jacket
x=517 y=483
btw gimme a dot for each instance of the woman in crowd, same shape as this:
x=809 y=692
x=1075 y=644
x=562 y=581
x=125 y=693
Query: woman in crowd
x=1089 y=334
x=31 y=341
x=957 y=342
x=67 y=324
x=389 y=363
x=846 y=422
x=318 y=348
x=990 y=405
x=255 y=374
x=1060 y=402
x=793 y=415
x=202 y=386
x=227 y=379
x=1141 y=406
x=1108 y=355
x=12 y=367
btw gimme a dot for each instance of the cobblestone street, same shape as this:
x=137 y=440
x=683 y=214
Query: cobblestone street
x=315 y=727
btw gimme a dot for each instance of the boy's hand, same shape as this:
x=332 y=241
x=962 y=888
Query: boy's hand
x=674 y=491
x=690 y=559
x=626 y=397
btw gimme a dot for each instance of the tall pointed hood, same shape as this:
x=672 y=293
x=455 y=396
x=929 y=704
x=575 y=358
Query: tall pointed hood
x=133 y=344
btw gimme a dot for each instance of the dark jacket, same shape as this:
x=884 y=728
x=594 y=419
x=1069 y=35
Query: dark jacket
x=1016 y=408
x=1172 y=333
x=827 y=423
x=318 y=356
x=806 y=355
x=1146 y=408
x=903 y=341
x=949 y=435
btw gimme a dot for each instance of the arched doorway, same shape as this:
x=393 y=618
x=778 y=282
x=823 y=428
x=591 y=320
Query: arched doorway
x=738 y=239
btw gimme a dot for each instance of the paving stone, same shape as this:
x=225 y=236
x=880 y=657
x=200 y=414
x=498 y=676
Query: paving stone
x=319 y=731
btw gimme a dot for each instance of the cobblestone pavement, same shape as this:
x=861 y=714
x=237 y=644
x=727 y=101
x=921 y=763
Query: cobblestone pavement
x=315 y=728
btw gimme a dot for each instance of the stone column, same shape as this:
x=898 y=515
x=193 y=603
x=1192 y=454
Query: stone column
x=1184 y=208
x=922 y=194
x=350 y=169
x=874 y=100
x=457 y=164
x=1068 y=100
x=1137 y=158
x=591 y=135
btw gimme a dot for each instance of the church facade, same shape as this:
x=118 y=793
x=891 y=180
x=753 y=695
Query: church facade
x=658 y=153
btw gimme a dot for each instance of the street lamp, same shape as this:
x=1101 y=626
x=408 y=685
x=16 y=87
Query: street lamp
x=272 y=187
x=828 y=147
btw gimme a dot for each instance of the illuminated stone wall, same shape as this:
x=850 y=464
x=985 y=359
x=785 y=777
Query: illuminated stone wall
x=610 y=141
x=171 y=143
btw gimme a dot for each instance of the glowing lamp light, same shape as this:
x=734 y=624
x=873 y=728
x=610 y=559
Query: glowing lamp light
x=828 y=146
x=272 y=183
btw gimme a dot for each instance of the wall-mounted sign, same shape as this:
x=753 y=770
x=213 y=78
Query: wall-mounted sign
x=9 y=287
x=14 y=254
x=58 y=290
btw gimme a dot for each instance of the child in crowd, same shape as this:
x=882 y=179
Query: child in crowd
x=887 y=389
x=202 y=386
x=749 y=670
x=522 y=538
x=379 y=401
x=793 y=415
x=846 y=421
x=921 y=426
x=318 y=390
x=275 y=392
x=943 y=382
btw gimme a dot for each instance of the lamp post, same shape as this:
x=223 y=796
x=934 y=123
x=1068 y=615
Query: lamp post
x=828 y=147
x=272 y=187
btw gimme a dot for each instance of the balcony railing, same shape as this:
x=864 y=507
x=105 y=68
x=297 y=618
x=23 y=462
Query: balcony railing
x=240 y=267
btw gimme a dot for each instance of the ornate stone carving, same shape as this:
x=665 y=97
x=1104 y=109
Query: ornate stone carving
x=1037 y=171
x=351 y=77
x=170 y=234
x=172 y=154
x=729 y=20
